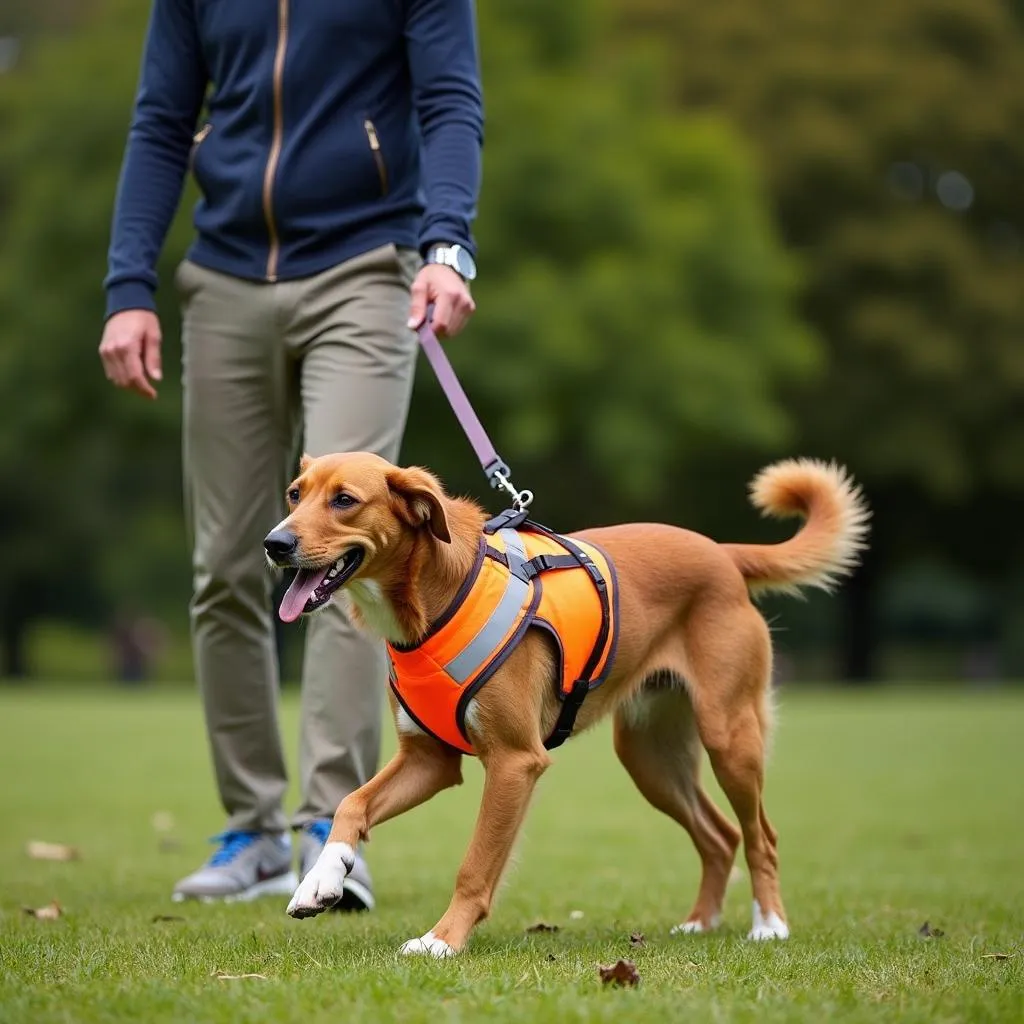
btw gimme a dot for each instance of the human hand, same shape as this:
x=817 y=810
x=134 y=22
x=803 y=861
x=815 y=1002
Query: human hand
x=453 y=305
x=130 y=350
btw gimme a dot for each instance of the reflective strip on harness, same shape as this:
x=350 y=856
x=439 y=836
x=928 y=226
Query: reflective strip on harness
x=481 y=648
x=515 y=552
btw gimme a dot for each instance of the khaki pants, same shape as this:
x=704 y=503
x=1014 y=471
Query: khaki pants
x=327 y=361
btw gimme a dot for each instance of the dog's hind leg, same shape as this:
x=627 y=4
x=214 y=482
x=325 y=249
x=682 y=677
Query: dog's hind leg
x=729 y=656
x=656 y=740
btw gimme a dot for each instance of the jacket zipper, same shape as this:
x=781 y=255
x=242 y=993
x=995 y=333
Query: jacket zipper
x=275 y=145
x=378 y=156
x=197 y=141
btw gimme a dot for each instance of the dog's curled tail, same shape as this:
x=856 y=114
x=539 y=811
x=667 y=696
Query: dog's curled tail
x=828 y=545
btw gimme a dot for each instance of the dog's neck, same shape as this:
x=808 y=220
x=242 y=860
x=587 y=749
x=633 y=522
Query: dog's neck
x=402 y=607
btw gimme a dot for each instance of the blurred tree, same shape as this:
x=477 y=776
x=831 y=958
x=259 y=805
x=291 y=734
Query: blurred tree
x=891 y=140
x=633 y=302
x=633 y=299
x=90 y=477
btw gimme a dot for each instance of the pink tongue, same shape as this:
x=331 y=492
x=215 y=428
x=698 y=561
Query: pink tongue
x=305 y=582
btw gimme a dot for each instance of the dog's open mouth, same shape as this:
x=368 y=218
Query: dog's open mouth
x=312 y=588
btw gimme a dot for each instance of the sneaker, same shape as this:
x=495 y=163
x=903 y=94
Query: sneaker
x=358 y=886
x=245 y=865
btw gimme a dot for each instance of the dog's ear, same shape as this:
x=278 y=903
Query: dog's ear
x=419 y=500
x=305 y=462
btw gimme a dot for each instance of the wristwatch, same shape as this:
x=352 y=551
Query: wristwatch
x=454 y=256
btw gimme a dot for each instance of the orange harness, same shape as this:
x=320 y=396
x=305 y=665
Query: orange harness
x=524 y=576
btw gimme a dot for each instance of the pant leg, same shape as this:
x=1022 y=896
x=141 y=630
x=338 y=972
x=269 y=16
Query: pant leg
x=358 y=359
x=239 y=426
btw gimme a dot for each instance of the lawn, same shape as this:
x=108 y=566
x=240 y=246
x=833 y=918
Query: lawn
x=894 y=808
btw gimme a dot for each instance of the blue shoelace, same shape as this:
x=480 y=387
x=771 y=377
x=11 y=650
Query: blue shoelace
x=320 y=829
x=232 y=844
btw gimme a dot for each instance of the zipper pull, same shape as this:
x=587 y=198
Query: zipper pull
x=371 y=134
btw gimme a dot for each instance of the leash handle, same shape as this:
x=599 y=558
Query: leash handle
x=495 y=468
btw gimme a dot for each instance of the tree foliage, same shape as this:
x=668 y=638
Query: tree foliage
x=890 y=138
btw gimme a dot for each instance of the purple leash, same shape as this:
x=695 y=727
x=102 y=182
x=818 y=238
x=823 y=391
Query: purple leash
x=495 y=468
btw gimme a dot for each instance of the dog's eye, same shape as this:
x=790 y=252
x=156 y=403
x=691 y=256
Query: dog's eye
x=343 y=500
x=293 y=495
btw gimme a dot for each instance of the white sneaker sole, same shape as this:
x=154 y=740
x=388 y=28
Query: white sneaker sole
x=279 y=885
x=360 y=892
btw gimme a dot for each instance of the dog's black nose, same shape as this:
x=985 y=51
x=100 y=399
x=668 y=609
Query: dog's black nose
x=280 y=544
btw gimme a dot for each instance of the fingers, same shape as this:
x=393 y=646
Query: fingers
x=420 y=300
x=463 y=307
x=442 y=317
x=151 y=356
x=130 y=351
x=449 y=294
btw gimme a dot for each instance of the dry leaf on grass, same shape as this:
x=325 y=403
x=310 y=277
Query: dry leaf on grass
x=47 y=913
x=163 y=821
x=622 y=972
x=224 y=976
x=166 y=917
x=998 y=956
x=575 y=915
x=926 y=931
x=541 y=926
x=637 y=939
x=38 y=850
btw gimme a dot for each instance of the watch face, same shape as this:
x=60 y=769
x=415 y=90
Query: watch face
x=464 y=263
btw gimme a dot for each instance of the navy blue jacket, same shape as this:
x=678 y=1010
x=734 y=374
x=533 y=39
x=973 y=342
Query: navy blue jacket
x=331 y=127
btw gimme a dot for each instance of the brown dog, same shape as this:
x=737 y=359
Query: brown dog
x=692 y=667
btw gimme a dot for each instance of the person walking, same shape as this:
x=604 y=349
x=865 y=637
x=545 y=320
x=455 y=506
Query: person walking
x=338 y=163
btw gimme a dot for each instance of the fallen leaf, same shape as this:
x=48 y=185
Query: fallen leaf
x=540 y=926
x=166 y=917
x=637 y=939
x=48 y=913
x=163 y=821
x=622 y=972
x=998 y=956
x=926 y=931
x=39 y=850
x=575 y=915
x=223 y=976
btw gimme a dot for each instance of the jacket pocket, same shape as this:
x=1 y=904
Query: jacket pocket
x=197 y=140
x=378 y=157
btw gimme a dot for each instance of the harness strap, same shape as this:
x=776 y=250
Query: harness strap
x=509 y=519
x=567 y=715
x=479 y=651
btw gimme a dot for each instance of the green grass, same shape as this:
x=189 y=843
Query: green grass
x=893 y=808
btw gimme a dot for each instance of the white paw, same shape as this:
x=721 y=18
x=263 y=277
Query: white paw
x=697 y=927
x=767 y=926
x=322 y=886
x=428 y=945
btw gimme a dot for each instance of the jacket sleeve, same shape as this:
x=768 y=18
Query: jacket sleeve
x=172 y=85
x=443 y=60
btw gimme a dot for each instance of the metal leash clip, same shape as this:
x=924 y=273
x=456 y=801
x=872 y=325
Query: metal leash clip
x=501 y=480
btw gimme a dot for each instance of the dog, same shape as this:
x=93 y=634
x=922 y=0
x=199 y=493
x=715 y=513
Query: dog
x=691 y=669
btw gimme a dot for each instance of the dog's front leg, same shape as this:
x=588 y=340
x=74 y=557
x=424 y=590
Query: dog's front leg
x=420 y=770
x=511 y=776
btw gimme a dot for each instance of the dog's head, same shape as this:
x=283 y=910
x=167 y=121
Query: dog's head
x=350 y=515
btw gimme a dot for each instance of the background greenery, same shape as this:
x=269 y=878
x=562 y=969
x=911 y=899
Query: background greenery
x=710 y=235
